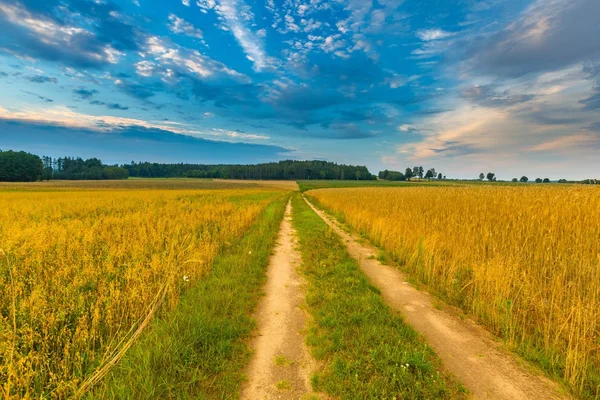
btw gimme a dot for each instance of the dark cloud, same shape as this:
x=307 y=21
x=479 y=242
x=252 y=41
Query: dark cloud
x=552 y=116
x=358 y=69
x=593 y=102
x=226 y=94
x=110 y=23
x=486 y=95
x=365 y=114
x=115 y=106
x=104 y=27
x=552 y=35
x=308 y=98
x=455 y=149
x=117 y=145
x=142 y=92
x=349 y=131
x=41 y=79
x=594 y=127
x=85 y=93
x=3 y=75
x=43 y=98
x=110 y=106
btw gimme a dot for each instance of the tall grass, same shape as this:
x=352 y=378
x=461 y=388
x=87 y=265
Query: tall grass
x=525 y=261
x=82 y=270
x=199 y=349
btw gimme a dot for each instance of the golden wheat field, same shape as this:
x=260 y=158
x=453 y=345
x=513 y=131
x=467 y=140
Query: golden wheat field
x=81 y=269
x=525 y=261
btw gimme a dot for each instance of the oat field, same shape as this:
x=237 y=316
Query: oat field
x=524 y=261
x=83 y=269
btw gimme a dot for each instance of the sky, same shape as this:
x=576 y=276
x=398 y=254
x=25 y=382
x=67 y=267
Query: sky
x=465 y=86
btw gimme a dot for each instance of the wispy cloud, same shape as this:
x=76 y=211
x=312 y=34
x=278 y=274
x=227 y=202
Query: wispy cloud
x=182 y=27
x=433 y=34
x=236 y=16
x=62 y=116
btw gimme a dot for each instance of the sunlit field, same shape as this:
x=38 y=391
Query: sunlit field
x=83 y=271
x=524 y=260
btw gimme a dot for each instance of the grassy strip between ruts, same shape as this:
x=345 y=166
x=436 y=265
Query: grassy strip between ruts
x=199 y=350
x=366 y=349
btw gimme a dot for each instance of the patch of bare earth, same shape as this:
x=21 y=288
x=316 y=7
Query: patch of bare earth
x=467 y=350
x=281 y=365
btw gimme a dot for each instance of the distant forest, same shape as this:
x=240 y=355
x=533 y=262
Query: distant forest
x=19 y=166
x=25 y=167
x=282 y=170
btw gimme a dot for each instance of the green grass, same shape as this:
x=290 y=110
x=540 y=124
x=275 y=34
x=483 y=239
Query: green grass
x=282 y=361
x=366 y=349
x=284 y=385
x=200 y=349
x=321 y=184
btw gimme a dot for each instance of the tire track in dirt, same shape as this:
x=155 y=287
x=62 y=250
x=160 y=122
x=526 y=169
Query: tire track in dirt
x=281 y=365
x=467 y=350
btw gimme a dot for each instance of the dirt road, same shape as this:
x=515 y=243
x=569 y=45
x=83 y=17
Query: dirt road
x=281 y=365
x=467 y=350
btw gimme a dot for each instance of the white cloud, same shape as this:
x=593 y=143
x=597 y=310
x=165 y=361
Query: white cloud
x=145 y=68
x=433 y=34
x=235 y=14
x=181 y=26
x=310 y=25
x=169 y=55
x=331 y=43
x=106 y=123
x=290 y=24
x=239 y=135
x=568 y=143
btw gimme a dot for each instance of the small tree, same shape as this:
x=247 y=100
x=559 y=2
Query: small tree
x=524 y=179
x=481 y=176
x=546 y=180
x=538 y=180
x=440 y=175
x=408 y=173
x=515 y=180
x=429 y=174
x=490 y=176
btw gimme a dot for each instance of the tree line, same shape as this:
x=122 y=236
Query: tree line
x=26 y=167
x=282 y=170
x=20 y=166
x=490 y=176
x=409 y=173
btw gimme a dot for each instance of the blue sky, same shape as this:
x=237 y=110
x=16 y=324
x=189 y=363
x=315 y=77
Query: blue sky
x=468 y=86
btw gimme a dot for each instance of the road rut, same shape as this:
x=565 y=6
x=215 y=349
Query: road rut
x=466 y=349
x=281 y=365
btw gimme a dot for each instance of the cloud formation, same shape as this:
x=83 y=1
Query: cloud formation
x=390 y=82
